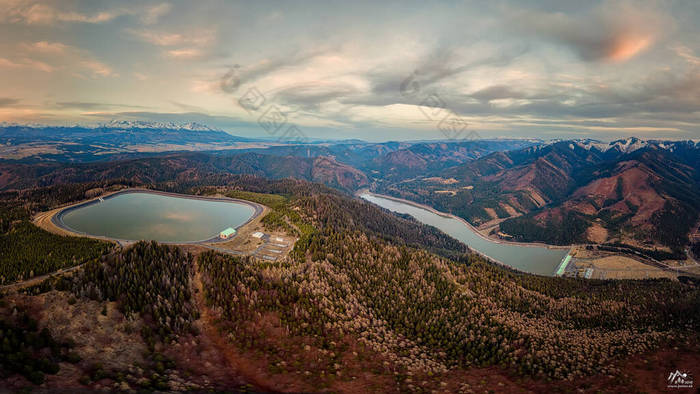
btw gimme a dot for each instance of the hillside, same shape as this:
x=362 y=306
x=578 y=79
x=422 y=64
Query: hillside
x=398 y=160
x=574 y=191
x=184 y=168
x=368 y=302
x=421 y=158
x=640 y=193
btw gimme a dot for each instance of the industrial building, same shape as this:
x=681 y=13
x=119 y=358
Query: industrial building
x=228 y=233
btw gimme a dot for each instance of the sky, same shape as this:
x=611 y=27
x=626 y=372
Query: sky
x=369 y=70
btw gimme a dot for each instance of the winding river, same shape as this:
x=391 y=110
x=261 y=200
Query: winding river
x=528 y=258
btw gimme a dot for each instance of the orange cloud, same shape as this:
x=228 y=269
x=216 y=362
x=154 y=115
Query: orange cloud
x=47 y=47
x=37 y=13
x=50 y=56
x=97 y=68
x=185 y=53
x=615 y=31
x=26 y=63
x=627 y=46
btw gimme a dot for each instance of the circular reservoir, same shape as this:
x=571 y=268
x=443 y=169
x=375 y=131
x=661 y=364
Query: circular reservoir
x=142 y=215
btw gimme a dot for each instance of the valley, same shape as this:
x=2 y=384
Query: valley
x=428 y=197
x=320 y=288
x=563 y=193
x=531 y=258
x=289 y=325
x=591 y=195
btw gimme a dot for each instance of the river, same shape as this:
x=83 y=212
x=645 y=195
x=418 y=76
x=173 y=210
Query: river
x=528 y=258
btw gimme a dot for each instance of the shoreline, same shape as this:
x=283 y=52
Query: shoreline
x=471 y=227
x=566 y=261
x=54 y=216
x=449 y=216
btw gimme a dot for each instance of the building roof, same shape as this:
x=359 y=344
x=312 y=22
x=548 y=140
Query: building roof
x=228 y=232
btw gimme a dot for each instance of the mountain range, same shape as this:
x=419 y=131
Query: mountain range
x=109 y=141
x=644 y=193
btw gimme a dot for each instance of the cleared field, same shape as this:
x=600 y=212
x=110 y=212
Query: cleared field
x=621 y=267
x=694 y=269
x=274 y=245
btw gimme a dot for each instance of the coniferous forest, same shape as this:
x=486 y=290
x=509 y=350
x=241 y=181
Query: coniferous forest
x=407 y=299
x=470 y=197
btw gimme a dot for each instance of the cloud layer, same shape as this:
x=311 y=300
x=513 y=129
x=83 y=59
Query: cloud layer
x=508 y=69
x=609 y=32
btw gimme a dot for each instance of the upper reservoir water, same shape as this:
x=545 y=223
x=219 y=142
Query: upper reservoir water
x=533 y=259
x=150 y=216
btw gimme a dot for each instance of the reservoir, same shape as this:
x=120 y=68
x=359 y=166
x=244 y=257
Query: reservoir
x=143 y=215
x=533 y=259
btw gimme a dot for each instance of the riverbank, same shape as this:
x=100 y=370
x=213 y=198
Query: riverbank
x=52 y=220
x=533 y=259
x=474 y=229
x=604 y=264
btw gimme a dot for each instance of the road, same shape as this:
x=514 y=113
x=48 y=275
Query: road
x=14 y=287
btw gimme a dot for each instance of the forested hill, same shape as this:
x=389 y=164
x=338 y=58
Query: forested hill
x=369 y=274
x=366 y=293
x=642 y=193
x=188 y=167
x=400 y=160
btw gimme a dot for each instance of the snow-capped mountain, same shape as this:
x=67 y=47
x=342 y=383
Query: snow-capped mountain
x=139 y=124
x=632 y=144
x=117 y=137
x=121 y=124
x=618 y=148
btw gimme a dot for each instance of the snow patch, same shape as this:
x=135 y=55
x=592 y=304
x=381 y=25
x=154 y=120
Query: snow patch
x=138 y=124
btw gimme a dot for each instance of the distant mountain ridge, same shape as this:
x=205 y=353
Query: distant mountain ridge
x=116 y=124
x=574 y=191
x=138 y=124
x=640 y=192
x=628 y=145
x=397 y=160
x=115 y=138
x=184 y=167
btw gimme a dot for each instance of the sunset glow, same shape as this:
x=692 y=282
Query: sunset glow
x=611 y=65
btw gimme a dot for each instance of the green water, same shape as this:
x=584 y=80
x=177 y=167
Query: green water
x=148 y=216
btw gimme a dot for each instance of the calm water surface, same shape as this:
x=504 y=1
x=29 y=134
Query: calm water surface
x=148 y=216
x=533 y=259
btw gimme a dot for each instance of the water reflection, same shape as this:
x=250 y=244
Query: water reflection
x=533 y=259
x=142 y=215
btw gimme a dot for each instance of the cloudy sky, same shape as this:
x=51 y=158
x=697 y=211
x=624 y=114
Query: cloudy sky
x=395 y=70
